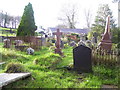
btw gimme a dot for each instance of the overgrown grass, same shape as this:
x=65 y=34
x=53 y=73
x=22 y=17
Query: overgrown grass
x=47 y=70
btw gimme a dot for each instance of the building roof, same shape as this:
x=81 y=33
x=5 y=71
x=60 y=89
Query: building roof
x=66 y=30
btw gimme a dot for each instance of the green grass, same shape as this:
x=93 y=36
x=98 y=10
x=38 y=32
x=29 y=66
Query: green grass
x=1 y=28
x=48 y=71
x=5 y=33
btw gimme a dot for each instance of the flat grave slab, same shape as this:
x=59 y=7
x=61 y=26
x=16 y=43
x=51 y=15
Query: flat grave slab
x=7 y=78
x=2 y=63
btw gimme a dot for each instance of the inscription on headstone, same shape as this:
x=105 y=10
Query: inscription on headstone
x=82 y=59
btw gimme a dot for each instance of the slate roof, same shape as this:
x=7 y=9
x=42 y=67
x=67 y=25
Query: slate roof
x=66 y=30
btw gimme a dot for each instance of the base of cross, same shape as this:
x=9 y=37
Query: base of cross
x=58 y=51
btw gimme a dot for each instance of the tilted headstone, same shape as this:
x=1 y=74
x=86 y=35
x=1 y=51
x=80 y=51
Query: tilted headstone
x=82 y=59
x=30 y=51
x=7 y=43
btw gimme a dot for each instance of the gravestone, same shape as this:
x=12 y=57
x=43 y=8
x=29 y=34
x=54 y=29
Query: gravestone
x=106 y=42
x=7 y=43
x=81 y=43
x=30 y=51
x=89 y=43
x=82 y=37
x=73 y=44
x=82 y=59
x=94 y=39
x=58 y=49
x=18 y=42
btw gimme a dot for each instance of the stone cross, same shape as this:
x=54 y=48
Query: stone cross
x=58 y=34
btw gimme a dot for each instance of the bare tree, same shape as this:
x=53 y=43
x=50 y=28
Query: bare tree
x=88 y=17
x=69 y=17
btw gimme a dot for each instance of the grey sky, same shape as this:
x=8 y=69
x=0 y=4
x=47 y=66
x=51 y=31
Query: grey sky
x=46 y=12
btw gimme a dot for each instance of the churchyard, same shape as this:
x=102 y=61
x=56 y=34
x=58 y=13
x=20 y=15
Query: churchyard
x=74 y=65
x=36 y=59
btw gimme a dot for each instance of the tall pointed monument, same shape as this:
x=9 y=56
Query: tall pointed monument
x=106 y=42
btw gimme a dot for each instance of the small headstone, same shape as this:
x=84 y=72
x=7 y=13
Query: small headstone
x=73 y=44
x=7 y=43
x=82 y=59
x=89 y=43
x=82 y=37
x=30 y=51
x=94 y=39
x=81 y=43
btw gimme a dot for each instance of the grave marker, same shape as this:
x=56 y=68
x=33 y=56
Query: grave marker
x=95 y=35
x=106 y=42
x=58 y=49
x=7 y=43
x=82 y=59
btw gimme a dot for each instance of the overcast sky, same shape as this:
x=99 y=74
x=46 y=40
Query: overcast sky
x=46 y=12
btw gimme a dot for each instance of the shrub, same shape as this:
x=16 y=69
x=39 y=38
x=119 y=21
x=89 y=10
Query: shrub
x=14 y=68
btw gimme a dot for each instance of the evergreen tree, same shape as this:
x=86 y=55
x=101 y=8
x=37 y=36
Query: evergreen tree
x=27 y=25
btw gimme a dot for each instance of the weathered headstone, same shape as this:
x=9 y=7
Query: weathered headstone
x=81 y=43
x=30 y=51
x=82 y=59
x=7 y=43
x=58 y=49
x=73 y=44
